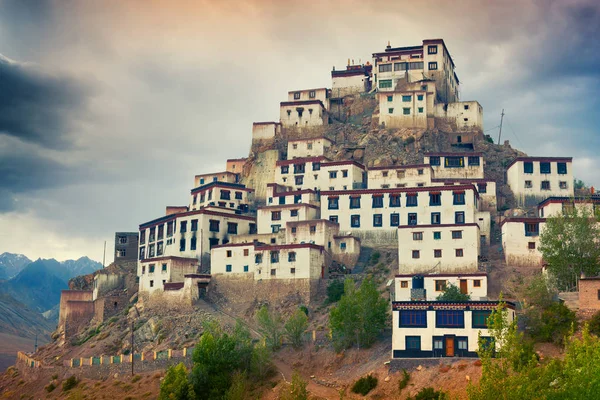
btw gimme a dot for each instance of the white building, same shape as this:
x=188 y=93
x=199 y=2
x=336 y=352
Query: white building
x=273 y=218
x=320 y=94
x=533 y=179
x=354 y=79
x=156 y=272
x=462 y=115
x=319 y=173
x=221 y=194
x=444 y=248
x=521 y=239
x=289 y=261
x=304 y=148
x=224 y=176
x=265 y=130
x=488 y=200
x=427 y=329
x=278 y=194
x=399 y=176
x=456 y=165
x=302 y=114
x=555 y=206
x=428 y=287
x=430 y=60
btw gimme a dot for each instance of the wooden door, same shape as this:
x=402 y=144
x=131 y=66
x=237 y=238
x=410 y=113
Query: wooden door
x=450 y=347
x=463 y=286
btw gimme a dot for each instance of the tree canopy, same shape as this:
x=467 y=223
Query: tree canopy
x=453 y=293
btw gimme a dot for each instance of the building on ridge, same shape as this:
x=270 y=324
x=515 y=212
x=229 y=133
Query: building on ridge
x=126 y=246
x=352 y=80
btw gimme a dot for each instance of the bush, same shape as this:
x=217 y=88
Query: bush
x=429 y=393
x=594 y=324
x=50 y=387
x=135 y=379
x=297 y=390
x=555 y=323
x=70 y=383
x=364 y=385
x=375 y=257
x=404 y=381
x=335 y=291
x=295 y=327
x=176 y=385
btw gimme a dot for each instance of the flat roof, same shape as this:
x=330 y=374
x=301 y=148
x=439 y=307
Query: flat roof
x=389 y=167
x=441 y=275
x=228 y=185
x=540 y=159
x=595 y=198
x=522 y=219
x=301 y=103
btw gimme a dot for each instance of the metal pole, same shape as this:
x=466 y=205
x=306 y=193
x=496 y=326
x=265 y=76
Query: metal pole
x=104 y=255
x=501 y=118
x=35 y=346
x=132 y=354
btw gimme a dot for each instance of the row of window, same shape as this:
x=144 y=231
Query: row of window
x=440 y=285
x=443 y=318
x=462 y=343
x=151 y=268
x=301 y=169
x=276 y=215
x=459 y=218
x=224 y=195
x=405 y=98
x=405 y=110
x=545 y=185
x=311 y=95
x=545 y=167
x=455 y=161
x=282 y=199
x=435 y=199
x=416 y=254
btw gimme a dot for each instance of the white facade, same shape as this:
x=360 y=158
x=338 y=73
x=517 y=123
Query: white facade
x=341 y=175
x=429 y=287
x=354 y=79
x=319 y=173
x=399 y=176
x=273 y=218
x=265 y=130
x=426 y=329
x=303 y=148
x=488 y=200
x=438 y=248
x=155 y=273
x=320 y=94
x=277 y=194
x=532 y=179
x=302 y=114
x=521 y=239
x=466 y=115
x=225 y=176
x=404 y=108
x=556 y=206
x=293 y=261
x=456 y=165
x=225 y=195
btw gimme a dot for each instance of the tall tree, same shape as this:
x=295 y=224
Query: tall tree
x=295 y=327
x=175 y=385
x=271 y=325
x=570 y=244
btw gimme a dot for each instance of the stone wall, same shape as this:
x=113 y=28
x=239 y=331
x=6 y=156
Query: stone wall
x=589 y=294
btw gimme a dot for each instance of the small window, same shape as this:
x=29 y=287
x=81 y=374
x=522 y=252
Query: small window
x=273 y=272
x=462 y=344
x=293 y=213
x=416 y=254
x=412 y=219
x=459 y=217
x=545 y=185
x=436 y=218
x=285 y=169
x=377 y=220
x=344 y=173
x=561 y=168
x=456 y=234
x=292 y=271
x=413 y=342
x=440 y=285
x=562 y=184
x=435 y=199
x=343 y=246
x=390 y=110
x=437 y=235
x=151 y=283
x=432 y=49
x=294 y=229
x=466 y=106
x=473 y=160
x=316 y=166
x=312 y=94
x=459 y=198
x=454 y=162
x=274 y=257
x=404 y=284
x=355 y=202
x=333 y=218
x=332 y=174
x=420 y=97
x=385 y=83
x=258 y=258
x=394 y=219
x=385 y=68
x=417 y=235
x=355 y=221
x=477 y=283
x=437 y=253
x=390 y=98
x=229 y=253
x=482 y=187
x=299 y=180
x=420 y=171
x=420 y=110
x=275 y=229
x=232 y=228
x=459 y=252
x=531 y=245
x=480 y=318
x=406 y=99
x=411 y=200
x=394 y=200
x=214 y=225
x=245 y=268
x=377 y=201
x=228 y=268
x=528 y=167
x=275 y=215
x=313 y=228
x=246 y=252
x=406 y=111
x=434 y=160
x=297 y=96
x=433 y=66
x=528 y=185
x=291 y=256
x=545 y=168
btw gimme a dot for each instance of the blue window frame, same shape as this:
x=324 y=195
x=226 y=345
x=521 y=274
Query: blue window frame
x=394 y=200
x=474 y=160
x=245 y=268
x=377 y=201
x=437 y=235
x=355 y=202
x=413 y=343
x=436 y=218
x=412 y=219
x=355 y=221
x=450 y=319
x=545 y=168
x=420 y=97
x=528 y=167
x=454 y=162
x=532 y=229
x=395 y=219
x=228 y=268
x=561 y=168
x=406 y=98
x=413 y=318
x=434 y=160
x=459 y=217
x=411 y=200
x=480 y=318
x=435 y=199
x=333 y=203
x=459 y=198
x=377 y=220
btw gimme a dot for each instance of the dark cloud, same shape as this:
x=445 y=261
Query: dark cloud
x=37 y=107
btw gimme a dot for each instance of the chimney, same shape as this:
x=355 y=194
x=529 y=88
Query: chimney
x=388 y=46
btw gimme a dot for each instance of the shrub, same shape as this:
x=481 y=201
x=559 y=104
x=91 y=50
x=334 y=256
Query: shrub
x=555 y=323
x=297 y=390
x=55 y=376
x=453 y=293
x=70 y=383
x=364 y=385
x=375 y=257
x=404 y=381
x=335 y=291
x=295 y=327
x=50 y=387
x=594 y=324
x=176 y=385
x=429 y=393
x=135 y=379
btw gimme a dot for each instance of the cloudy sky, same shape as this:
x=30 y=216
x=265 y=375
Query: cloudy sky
x=109 y=108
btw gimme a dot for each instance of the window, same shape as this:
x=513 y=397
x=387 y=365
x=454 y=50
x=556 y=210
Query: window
x=143 y=237
x=291 y=256
x=432 y=49
x=384 y=173
x=344 y=173
x=151 y=250
x=401 y=66
x=412 y=219
x=434 y=160
x=436 y=218
x=143 y=269
x=562 y=184
x=245 y=268
x=121 y=253
x=437 y=235
x=252 y=228
x=528 y=167
x=313 y=228
x=377 y=201
x=258 y=258
x=420 y=110
x=406 y=111
x=394 y=200
x=292 y=271
x=462 y=344
x=333 y=218
x=473 y=160
x=293 y=213
x=355 y=202
x=332 y=174
x=390 y=110
x=438 y=344
x=454 y=162
x=394 y=219
x=281 y=200
x=355 y=221
x=545 y=168
x=275 y=215
x=561 y=168
x=415 y=65
x=214 y=225
x=459 y=217
x=299 y=168
x=151 y=283
x=275 y=229
x=417 y=235
x=182 y=245
x=232 y=228
x=194 y=225
x=228 y=268
x=159 y=249
x=312 y=94
x=435 y=199
x=528 y=185
x=545 y=185
x=437 y=253
x=273 y=272
x=164 y=268
x=450 y=319
x=294 y=229
x=482 y=187
x=385 y=84
x=333 y=203
x=459 y=198
x=406 y=99
x=416 y=254
x=413 y=318
x=440 y=286
x=142 y=251
x=413 y=342
x=385 y=68
x=480 y=318
x=183 y=227
x=411 y=200
x=456 y=234
x=299 y=180
x=420 y=97
x=274 y=257
x=297 y=96
x=285 y=169
x=238 y=195
x=532 y=229
x=377 y=220
x=343 y=246
x=531 y=245
x=433 y=66
x=225 y=195
x=459 y=252
x=246 y=252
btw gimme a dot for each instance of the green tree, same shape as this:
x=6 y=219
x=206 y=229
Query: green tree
x=271 y=325
x=295 y=327
x=578 y=184
x=570 y=247
x=260 y=363
x=297 y=389
x=175 y=385
x=453 y=293
x=335 y=290
x=240 y=387
x=359 y=317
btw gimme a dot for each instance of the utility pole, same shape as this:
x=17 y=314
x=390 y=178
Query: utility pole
x=35 y=346
x=104 y=255
x=132 y=354
x=501 y=118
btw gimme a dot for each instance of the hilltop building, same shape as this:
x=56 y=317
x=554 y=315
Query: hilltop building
x=352 y=80
x=126 y=244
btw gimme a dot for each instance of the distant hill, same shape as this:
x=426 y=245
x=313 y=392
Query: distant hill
x=81 y=266
x=11 y=264
x=17 y=319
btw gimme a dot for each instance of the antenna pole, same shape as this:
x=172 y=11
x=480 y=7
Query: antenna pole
x=501 y=118
x=104 y=255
